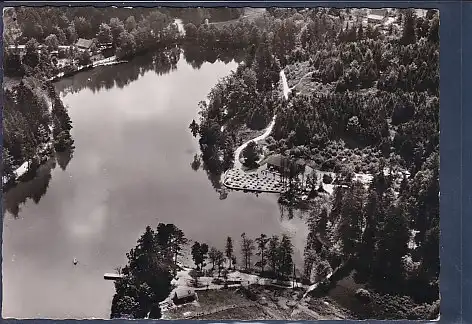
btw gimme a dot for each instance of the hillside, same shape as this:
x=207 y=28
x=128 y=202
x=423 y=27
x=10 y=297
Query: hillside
x=364 y=106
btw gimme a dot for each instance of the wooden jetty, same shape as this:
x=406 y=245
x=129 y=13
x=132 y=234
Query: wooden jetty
x=112 y=276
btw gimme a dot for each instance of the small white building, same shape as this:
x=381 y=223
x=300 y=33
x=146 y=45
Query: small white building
x=375 y=19
x=379 y=12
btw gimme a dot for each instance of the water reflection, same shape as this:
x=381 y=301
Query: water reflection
x=33 y=188
x=197 y=55
x=107 y=77
x=164 y=62
x=196 y=162
x=63 y=158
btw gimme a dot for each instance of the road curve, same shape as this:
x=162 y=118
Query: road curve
x=237 y=153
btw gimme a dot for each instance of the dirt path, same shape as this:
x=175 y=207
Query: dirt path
x=237 y=153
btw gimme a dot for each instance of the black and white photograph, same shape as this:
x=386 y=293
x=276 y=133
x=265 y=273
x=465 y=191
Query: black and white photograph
x=220 y=163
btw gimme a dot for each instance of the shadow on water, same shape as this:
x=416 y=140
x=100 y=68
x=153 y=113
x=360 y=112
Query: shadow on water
x=63 y=158
x=196 y=163
x=197 y=55
x=163 y=62
x=34 y=188
x=106 y=77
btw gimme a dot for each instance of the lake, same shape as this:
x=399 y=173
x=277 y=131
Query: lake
x=131 y=168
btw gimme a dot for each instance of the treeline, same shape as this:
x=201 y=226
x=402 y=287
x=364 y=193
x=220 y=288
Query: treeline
x=63 y=26
x=33 y=116
x=130 y=31
x=152 y=264
x=70 y=23
x=146 y=279
x=197 y=16
x=133 y=36
x=248 y=35
x=389 y=232
x=270 y=256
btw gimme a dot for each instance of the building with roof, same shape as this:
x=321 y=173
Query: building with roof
x=183 y=295
x=283 y=164
x=379 y=12
x=375 y=19
x=85 y=44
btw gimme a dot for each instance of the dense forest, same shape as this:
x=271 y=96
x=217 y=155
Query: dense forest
x=33 y=117
x=70 y=23
x=147 y=277
x=373 y=107
x=145 y=29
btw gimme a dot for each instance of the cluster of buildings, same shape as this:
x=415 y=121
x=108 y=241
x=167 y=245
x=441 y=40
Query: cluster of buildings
x=383 y=17
x=82 y=45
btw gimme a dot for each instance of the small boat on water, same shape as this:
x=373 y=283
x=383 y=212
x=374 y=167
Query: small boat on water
x=75 y=261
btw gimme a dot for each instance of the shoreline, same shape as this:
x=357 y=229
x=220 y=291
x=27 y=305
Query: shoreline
x=43 y=154
x=112 y=60
x=238 y=165
x=45 y=151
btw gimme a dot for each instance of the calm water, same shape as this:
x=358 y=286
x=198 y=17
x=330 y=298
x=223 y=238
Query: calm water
x=130 y=168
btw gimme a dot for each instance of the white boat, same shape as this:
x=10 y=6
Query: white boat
x=75 y=261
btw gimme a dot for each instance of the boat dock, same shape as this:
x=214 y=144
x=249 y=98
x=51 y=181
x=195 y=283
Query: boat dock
x=239 y=180
x=112 y=276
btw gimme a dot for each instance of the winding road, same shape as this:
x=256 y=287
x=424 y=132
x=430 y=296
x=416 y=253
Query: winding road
x=237 y=153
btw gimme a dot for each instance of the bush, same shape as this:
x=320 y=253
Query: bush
x=327 y=178
x=419 y=312
x=249 y=293
x=363 y=295
x=328 y=165
x=63 y=142
x=217 y=281
x=434 y=310
x=62 y=54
